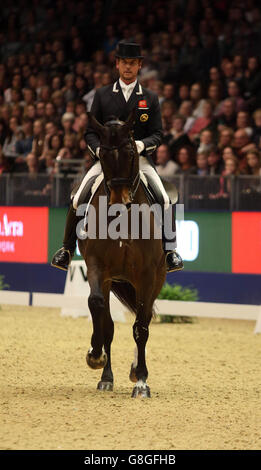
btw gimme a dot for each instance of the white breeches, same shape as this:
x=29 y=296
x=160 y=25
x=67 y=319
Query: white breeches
x=145 y=166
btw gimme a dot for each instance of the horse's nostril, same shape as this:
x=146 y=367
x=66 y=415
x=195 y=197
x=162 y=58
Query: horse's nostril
x=128 y=205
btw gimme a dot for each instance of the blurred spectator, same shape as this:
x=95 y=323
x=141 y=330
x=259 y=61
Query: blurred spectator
x=257 y=128
x=214 y=162
x=185 y=159
x=67 y=123
x=88 y=98
x=201 y=163
x=225 y=138
x=202 y=122
x=177 y=137
x=38 y=140
x=206 y=141
x=9 y=147
x=253 y=158
x=24 y=144
x=166 y=168
x=227 y=118
x=196 y=98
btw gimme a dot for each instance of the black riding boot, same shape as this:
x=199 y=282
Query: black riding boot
x=173 y=259
x=62 y=257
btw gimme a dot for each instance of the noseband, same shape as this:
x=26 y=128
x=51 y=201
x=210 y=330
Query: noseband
x=132 y=181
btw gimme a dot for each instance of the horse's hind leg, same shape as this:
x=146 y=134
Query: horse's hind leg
x=106 y=382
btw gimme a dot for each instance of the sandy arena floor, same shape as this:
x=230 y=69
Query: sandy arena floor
x=205 y=382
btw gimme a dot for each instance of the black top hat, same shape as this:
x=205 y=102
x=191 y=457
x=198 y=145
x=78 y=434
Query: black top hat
x=128 y=50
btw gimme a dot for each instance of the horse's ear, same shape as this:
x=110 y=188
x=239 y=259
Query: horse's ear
x=96 y=125
x=130 y=121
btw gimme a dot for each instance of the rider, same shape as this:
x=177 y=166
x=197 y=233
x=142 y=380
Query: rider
x=119 y=99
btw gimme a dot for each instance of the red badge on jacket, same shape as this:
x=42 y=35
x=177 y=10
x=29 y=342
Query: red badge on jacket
x=142 y=104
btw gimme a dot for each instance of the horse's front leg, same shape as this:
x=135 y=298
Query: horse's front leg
x=96 y=357
x=139 y=371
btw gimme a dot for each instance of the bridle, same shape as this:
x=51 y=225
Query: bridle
x=133 y=180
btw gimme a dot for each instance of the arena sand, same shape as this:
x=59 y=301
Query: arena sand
x=205 y=382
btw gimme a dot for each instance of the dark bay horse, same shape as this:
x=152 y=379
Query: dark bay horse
x=133 y=269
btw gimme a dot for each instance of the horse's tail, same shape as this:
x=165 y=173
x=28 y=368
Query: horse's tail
x=125 y=292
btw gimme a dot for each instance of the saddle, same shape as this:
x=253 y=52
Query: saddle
x=153 y=194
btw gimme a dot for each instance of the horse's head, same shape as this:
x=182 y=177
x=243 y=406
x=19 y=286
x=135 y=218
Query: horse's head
x=119 y=158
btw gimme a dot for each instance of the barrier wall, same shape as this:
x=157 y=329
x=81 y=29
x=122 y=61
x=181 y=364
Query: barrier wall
x=221 y=252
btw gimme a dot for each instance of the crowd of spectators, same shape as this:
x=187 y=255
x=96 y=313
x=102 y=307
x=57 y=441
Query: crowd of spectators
x=202 y=58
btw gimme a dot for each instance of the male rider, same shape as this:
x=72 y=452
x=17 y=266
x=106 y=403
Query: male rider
x=118 y=100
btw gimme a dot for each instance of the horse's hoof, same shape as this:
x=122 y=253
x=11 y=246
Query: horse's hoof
x=106 y=386
x=132 y=375
x=141 y=391
x=96 y=363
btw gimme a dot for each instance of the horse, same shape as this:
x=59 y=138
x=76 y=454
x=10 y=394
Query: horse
x=133 y=269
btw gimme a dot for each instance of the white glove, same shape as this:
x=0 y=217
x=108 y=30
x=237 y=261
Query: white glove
x=140 y=145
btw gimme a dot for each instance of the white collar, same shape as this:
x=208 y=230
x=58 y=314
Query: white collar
x=116 y=90
x=130 y=86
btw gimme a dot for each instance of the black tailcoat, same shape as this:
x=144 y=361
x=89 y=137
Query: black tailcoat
x=109 y=101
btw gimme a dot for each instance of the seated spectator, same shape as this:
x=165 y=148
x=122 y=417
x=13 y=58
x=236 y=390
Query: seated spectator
x=58 y=101
x=185 y=160
x=228 y=152
x=24 y=145
x=183 y=94
x=214 y=161
x=38 y=140
x=50 y=111
x=6 y=113
x=238 y=63
x=225 y=138
x=69 y=91
x=241 y=146
x=234 y=91
x=196 y=98
x=202 y=122
x=176 y=137
x=215 y=94
x=228 y=116
x=80 y=124
x=40 y=110
x=257 y=128
x=252 y=79
x=186 y=111
x=201 y=163
x=9 y=146
x=30 y=111
x=80 y=85
x=70 y=148
x=206 y=140
x=231 y=167
x=253 y=158
x=167 y=111
x=243 y=122
x=67 y=123
x=165 y=167
x=168 y=92
x=88 y=98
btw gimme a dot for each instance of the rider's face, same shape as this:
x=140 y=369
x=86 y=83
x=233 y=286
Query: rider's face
x=128 y=69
